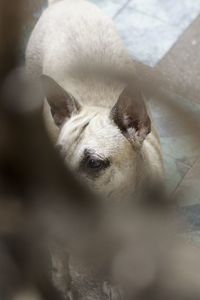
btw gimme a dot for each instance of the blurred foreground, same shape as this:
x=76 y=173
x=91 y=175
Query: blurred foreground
x=132 y=251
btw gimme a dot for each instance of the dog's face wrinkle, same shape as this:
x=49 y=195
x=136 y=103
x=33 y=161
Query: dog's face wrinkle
x=79 y=136
x=74 y=136
x=94 y=133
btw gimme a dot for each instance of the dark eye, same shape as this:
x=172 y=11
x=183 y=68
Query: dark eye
x=92 y=164
x=95 y=164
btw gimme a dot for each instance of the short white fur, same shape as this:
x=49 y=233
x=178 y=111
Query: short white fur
x=73 y=31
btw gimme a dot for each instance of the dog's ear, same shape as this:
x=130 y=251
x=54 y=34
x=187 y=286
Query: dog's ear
x=131 y=116
x=62 y=104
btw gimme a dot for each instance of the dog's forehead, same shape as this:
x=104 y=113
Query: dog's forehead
x=91 y=130
x=103 y=136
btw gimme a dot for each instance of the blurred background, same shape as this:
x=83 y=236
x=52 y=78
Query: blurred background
x=163 y=36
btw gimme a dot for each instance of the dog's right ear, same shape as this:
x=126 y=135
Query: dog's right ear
x=131 y=116
x=62 y=104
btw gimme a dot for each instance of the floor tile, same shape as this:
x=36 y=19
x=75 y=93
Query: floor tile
x=176 y=13
x=174 y=172
x=179 y=155
x=143 y=29
x=189 y=189
x=167 y=120
x=181 y=66
x=192 y=216
x=180 y=147
x=110 y=7
x=142 y=35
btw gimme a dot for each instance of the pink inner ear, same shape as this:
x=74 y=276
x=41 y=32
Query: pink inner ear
x=130 y=115
x=62 y=104
x=131 y=123
x=59 y=116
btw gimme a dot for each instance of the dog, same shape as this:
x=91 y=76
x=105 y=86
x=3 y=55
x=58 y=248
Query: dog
x=98 y=126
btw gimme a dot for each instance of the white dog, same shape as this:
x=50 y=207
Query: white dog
x=101 y=126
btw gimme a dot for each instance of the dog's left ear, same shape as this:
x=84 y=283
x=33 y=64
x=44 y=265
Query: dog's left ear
x=62 y=104
x=131 y=116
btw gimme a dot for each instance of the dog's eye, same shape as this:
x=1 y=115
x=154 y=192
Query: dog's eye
x=95 y=164
x=92 y=164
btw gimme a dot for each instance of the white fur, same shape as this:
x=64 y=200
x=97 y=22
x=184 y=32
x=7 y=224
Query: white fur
x=76 y=31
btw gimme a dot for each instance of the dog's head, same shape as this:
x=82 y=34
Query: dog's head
x=99 y=143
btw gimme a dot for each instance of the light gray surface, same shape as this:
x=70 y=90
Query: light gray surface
x=111 y=7
x=147 y=38
x=150 y=28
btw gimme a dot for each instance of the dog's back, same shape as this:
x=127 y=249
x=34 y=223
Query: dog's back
x=75 y=32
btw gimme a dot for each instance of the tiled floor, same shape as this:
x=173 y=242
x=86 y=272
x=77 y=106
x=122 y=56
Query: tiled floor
x=180 y=148
x=151 y=30
x=148 y=22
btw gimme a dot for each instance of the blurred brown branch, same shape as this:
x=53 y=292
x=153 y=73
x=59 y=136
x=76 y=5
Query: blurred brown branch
x=41 y=200
x=11 y=22
x=34 y=181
